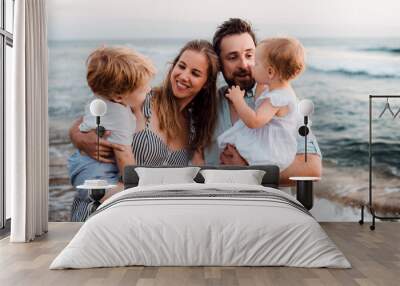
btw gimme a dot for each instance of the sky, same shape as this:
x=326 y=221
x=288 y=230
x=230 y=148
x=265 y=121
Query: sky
x=120 y=19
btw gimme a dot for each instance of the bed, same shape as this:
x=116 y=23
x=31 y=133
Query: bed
x=201 y=224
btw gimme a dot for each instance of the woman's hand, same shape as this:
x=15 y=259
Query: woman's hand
x=87 y=142
x=123 y=156
x=121 y=148
x=106 y=148
x=235 y=93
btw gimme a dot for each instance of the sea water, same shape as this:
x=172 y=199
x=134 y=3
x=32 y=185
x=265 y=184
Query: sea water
x=339 y=77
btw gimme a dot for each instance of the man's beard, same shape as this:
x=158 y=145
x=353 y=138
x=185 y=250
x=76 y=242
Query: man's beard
x=237 y=79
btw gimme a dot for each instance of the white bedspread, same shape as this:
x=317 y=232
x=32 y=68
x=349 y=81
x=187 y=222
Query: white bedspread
x=177 y=231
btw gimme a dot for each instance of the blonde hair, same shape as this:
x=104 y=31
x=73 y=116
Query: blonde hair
x=285 y=55
x=117 y=70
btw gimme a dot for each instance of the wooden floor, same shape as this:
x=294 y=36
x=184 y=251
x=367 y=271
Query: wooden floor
x=374 y=255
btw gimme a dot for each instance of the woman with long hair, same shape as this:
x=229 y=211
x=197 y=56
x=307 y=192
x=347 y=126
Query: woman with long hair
x=175 y=125
x=176 y=121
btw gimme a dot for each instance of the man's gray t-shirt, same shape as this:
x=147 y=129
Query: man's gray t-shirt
x=211 y=154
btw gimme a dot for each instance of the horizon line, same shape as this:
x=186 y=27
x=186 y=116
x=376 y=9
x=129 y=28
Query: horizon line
x=189 y=38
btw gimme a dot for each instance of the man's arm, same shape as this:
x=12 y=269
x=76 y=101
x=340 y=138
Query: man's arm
x=300 y=168
x=231 y=156
x=87 y=142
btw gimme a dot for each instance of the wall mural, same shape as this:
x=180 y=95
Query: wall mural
x=339 y=75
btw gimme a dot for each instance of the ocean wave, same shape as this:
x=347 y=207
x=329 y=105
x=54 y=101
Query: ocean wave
x=352 y=62
x=350 y=72
x=383 y=49
x=354 y=153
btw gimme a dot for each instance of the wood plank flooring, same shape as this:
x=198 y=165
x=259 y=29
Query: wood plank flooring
x=374 y=255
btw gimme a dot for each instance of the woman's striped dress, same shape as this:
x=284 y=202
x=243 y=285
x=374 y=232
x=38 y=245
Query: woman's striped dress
x=150 y=149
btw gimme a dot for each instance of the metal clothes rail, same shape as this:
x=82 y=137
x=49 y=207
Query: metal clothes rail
x=370 y=204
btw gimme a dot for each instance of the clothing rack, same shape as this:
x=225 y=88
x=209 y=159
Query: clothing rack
x=369 y=205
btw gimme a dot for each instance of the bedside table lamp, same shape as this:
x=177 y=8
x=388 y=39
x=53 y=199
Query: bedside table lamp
x=97 y=187
x=306 y=108
x=304 y=185
x=98 y=108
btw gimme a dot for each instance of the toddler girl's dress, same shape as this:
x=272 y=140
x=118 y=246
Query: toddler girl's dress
x=272 y=144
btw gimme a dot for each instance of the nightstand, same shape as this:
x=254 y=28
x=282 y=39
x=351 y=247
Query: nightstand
x=304 y=190
x=96 y=195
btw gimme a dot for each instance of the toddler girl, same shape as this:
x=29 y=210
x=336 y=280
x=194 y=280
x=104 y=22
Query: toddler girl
x=267 y=135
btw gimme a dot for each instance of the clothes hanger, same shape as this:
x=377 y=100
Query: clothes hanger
x=397 y=113
x=387 y=106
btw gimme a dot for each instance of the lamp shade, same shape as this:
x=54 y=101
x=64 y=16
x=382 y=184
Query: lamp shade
x=306 y=107
x=98 y=107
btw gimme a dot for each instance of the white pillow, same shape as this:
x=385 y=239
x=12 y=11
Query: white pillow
x=164 y=176
x=249 y=177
